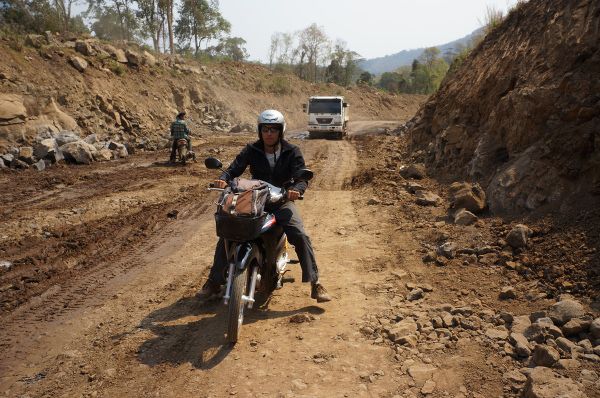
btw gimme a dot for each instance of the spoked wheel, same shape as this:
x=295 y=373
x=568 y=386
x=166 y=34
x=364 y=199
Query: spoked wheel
x=236 y=305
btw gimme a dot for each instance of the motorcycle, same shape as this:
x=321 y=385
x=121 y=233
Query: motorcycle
x=183 y=155
x=256 y=250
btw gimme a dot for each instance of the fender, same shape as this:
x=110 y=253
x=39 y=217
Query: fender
x=244 y=254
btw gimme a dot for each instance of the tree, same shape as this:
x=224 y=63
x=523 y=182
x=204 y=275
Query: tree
x=119 y=17
x=313 y=42
x=365 y=78
x=200 y=21
x=40 y=15
x=343 y=65
x=231 y=48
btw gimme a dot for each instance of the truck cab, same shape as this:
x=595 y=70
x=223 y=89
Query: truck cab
x=327 y=117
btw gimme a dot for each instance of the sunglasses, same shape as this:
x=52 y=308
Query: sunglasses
x=270 y=129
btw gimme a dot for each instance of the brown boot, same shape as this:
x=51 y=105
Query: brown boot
x=319 y=293
x=208 y=290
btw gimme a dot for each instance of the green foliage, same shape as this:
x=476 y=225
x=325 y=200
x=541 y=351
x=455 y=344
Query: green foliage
x=492 y=18
x=117 y=68
x=280 y=85
x=199 y=21
x=365 y=78
x=423 y=77
x=343 y=67
x=38 y=16
x=231 y=48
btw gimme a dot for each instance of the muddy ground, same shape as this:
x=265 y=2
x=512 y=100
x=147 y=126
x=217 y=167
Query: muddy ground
x=107 y=259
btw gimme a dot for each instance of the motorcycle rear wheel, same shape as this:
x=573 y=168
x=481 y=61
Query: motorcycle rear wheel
x=235 y=317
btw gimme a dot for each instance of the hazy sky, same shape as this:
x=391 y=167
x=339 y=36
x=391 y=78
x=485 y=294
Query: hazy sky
x=373 y=28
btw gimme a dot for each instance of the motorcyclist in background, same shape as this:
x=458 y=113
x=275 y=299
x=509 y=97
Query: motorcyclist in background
x=179 y=130
x=274 y=160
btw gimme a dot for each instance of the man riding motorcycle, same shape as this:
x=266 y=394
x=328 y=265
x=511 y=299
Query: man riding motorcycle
x=179 y=130
x=274 y=160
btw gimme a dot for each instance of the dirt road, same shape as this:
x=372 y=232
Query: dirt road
x=101 y=300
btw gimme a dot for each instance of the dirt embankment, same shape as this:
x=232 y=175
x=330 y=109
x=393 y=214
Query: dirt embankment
x=522 y=114
x=130 y=96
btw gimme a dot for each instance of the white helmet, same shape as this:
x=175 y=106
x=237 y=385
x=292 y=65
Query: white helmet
x=271 y=116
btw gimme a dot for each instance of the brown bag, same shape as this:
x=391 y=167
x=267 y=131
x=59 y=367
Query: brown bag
x=244 y=198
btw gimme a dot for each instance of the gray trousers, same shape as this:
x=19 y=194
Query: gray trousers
x=289 y=219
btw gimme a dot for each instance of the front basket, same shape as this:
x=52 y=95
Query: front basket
x=239 y=229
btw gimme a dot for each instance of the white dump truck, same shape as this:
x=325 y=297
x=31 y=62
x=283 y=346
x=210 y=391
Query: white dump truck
x=327 y=117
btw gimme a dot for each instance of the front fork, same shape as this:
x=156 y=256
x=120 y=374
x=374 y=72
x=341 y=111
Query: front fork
x=241 y=259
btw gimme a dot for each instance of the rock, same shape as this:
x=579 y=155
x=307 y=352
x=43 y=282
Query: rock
x=522 y=347
x=415 y=294
x=373 y=201
x=36 y=41
x=595 y=328
x=447 y=250
x=2 y=165
x=66 y=122
x=236 y=129
x=91 y=139
x=103 y=155
x=11 y=107
x=568 y=364
x=497 y=333
x=78 y=63
x=565 y=310
x=403 y=328
x=42 y=148
x=119 y=149
x=134 y=58
x=421 y=373
x=149 y=59
x=18 y=164
x=565 y=344
x=413 y=187
x=507 y=293
x=576 y=326
x=428 y=387
x=426 y=198
x=542 y=382
x=299 y=384
x=78 y=152
x=468 y=196
x=590 y=357
x=7 y=157
x=65 y=137
x=544 y=355
x=39 y=165
x=84 y=48
x=518 y=236
x=515 y=377
x=416 y=171
x=449 y=320
x=116 y=53
x=464 y=217
x=26 y=154
x=520 y=324
x=301 y=318
x=409 y=340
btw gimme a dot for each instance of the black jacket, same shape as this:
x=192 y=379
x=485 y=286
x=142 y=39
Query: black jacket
x=253 y=155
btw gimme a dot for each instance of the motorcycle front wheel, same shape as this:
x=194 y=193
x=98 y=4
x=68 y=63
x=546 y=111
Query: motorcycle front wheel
x=235 y=317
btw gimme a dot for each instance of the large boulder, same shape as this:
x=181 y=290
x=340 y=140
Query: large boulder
x=595 y=328
x=64 y=137
x=78 y=63
x=542 y=382
x=467 y=196
x=464 y=217
x=48 y=149
x=119 y=150
x=565 y=310
x=36 y=41
x=78 y=152
x=116 y=53
x=149 y=59
x=416 y=171
x=11 y=107
x=426 y=198
x=103 y=155
x=84 y=48
x=544 y=355
x=26 y=154
x=134 y=58
x=53 y=112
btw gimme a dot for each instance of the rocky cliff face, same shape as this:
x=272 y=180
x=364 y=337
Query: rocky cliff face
x=522 y=114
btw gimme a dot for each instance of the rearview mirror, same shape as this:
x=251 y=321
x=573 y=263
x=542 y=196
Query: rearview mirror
x=213 y=163
x=303 y=175
x=345 y=105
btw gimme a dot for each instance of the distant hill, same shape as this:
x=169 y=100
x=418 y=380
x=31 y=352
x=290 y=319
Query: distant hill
x=392 y=62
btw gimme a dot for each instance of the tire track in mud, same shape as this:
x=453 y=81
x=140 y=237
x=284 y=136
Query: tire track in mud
x=88 y=290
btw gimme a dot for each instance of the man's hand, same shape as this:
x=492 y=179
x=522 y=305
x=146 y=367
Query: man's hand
x=219 y=184
x=293 y=195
